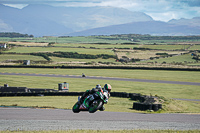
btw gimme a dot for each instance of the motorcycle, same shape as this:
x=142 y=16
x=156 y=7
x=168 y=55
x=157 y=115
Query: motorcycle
x=91 y=103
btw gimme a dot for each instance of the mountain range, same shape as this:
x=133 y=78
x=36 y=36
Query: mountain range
x=45 y=20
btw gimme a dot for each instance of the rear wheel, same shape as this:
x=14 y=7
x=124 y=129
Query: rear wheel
x=97 y=104
x=75 y=108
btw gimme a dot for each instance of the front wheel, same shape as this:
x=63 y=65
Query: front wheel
x=97 y=104
x=75 y=108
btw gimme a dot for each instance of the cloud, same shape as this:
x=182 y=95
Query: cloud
x=163 y=10
x=19 y=6
x=5 y=27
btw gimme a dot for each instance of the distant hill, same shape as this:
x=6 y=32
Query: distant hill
x=148 y=27
x=189 y=22
x=44 y=20
x=29 y=22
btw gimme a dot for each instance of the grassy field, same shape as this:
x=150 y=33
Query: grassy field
x=141 y=54
x=136 y=54
x=166 y=47
x=52 y=49
x=195 y=47
x=57 y=60
x=122 y=44
x=114 y=39
x=175 y=59
x=5 y=57
x=89 y=39
x=28 y=43
x=114 y=104
x=102 y=46
x=185 y=76
x=166 y=90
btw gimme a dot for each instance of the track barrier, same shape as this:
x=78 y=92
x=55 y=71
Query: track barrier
x=145 y=102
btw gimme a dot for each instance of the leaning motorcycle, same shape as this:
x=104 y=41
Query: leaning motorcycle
x=91 y=103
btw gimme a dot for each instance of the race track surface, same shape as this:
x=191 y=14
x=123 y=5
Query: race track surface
x=103 y=78
x=58 y=119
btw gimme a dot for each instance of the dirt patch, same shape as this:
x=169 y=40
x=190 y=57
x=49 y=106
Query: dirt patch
x=28 y=43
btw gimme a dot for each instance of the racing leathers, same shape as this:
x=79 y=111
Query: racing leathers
x=94 y=90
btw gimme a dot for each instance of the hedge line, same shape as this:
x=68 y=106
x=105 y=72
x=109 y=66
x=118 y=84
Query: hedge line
x=101 y=67
x=73 y=55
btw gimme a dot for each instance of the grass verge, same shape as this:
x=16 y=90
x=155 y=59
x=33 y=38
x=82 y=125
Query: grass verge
x=185 y=76
x=114 y=105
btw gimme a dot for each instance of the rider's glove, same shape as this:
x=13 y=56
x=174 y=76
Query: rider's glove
x=106 y=101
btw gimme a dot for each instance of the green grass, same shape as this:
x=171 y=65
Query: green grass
x=187 y=58
x=83 y=39
x=166 y=47
x=103 y=39
x=195 y=47
x=83 y=45
x=103 y=46
x=185 y=76
x=71 y=60
x=144 y=54
x=166 y=90
x=114 y=104
x=53 y=49
x=4 y=57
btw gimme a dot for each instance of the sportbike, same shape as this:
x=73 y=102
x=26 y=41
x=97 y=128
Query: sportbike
x=91 y=103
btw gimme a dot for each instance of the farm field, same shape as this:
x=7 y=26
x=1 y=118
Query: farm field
x=184 y=76
x=170 y=90
x=52 y=49
x=113 y=39
x=20 y=57
x=116 y=50
x=126 y=50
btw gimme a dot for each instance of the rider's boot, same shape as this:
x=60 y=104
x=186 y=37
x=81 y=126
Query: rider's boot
x=102 y=108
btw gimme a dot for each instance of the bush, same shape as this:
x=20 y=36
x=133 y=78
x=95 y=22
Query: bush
x=44 y=55
x=162 y=54
x=80 y=56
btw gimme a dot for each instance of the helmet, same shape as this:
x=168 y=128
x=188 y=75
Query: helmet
x=98 y=86
x=108 y=87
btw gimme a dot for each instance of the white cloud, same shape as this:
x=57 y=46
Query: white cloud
x=19 y=6
x=163 y=10
x=5 y=27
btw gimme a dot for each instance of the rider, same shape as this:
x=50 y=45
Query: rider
x=106 y=90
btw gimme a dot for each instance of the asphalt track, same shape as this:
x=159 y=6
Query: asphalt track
x=57 y=119
x=103 y=78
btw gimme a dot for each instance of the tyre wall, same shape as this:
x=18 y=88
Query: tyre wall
x=145 y=102
x=145 y=106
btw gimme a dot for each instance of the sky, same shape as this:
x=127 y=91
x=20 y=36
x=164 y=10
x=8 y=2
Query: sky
x=161 y=10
